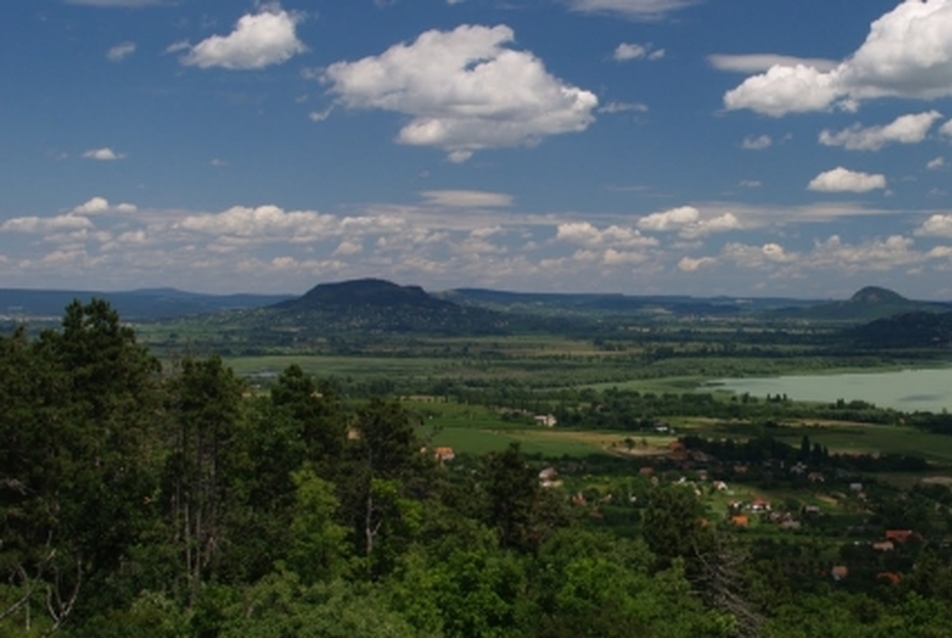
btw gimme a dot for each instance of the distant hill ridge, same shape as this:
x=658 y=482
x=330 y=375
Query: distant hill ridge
x=143 y=304
x=867 y=304
x=377 y=306
x=877 y=295
x=378 y=302
x=370 y=293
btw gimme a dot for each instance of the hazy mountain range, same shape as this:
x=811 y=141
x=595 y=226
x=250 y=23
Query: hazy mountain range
x=365 y=295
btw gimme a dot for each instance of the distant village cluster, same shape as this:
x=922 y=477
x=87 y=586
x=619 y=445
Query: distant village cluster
x=822 y=494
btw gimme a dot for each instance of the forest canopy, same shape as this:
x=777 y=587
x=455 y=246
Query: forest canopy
x=142 y=499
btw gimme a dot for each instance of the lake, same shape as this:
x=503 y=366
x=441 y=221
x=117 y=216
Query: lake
x=906 y=390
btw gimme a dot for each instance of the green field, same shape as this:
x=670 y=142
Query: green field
x=472 y=441
x=321 y=366
x=876 y=439
x=540 y=363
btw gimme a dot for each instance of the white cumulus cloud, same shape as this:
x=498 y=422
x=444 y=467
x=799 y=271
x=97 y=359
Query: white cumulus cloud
x=946 y=128
x=784 y=89
x=906 y=129
x=104 y=154
x=841 y=180
x=614 y=257
x=259 y=40
x=320 y=116
x=936 y=164
x=721 y=223
x=690 y=264
x=767 y=255
x=93 y=206
x=588 y=235
x=67 y=222
x=100 y=205
x=758 y=143
x=775 y=252
x=908 y=54
x=687 y=221
x=627 y=51
x=670 y=219
x=348 y=247
x=872 y=255
x=120 y=51
x=261 y=222
x=464 y=90
x=936 y=226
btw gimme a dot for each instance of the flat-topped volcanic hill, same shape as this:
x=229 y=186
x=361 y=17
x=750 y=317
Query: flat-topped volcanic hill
x=369 y=293
x=380 y=306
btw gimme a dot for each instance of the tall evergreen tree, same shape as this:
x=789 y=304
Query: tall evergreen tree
x=78 y=434
x=206 y=415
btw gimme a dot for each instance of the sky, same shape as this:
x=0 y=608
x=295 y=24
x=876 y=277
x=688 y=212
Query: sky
x=698 y=147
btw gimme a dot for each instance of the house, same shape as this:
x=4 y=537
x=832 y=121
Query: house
x=578 y=500
x=884 y=546
x=790 y=525
x=891 y=577
x=856 y=487
x=816 y=477
x=547 y=420
x=839 y=572
x=677 y=451
x=549 y=478
x=444 y=454
x=740 y=520
x=720 y=486
x=760 y=505
x=646 y=471
x=740 y=469
x=898 y=535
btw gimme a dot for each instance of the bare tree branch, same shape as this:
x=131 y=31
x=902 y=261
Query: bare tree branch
x=61 y=610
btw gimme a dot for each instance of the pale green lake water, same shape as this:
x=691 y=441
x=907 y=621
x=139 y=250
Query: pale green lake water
x=906 y=390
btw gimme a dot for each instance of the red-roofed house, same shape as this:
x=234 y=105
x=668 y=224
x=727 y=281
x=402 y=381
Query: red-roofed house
x=444 y=454
x=898 y=535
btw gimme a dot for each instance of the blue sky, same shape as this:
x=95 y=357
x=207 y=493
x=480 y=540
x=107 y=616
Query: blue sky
x=736 y=147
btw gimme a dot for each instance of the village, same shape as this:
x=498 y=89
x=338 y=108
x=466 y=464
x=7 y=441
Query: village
x=830 y=516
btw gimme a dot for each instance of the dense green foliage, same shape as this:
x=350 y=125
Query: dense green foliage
x=137 y=501
x=908 y=330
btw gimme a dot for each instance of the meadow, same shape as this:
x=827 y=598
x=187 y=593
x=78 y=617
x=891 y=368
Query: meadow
x=458 y=386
